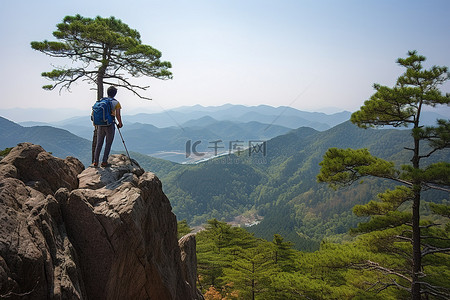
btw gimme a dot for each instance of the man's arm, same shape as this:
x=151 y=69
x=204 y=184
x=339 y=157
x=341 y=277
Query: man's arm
x=119 y=118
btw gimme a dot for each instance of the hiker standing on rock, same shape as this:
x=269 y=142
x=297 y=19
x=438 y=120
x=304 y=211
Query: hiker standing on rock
x=104 y=113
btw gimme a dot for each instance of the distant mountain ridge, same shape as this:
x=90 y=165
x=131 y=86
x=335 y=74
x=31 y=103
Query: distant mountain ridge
x=60 y=142
x=282 y=116
x=166 y=134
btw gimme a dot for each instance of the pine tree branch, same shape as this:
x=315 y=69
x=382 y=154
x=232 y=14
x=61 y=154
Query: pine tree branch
x=437 y=291
x=429 y=225
x=131 y=88
x=429 y=153
x=405 y=182
x=443 y=146
x=434 y=238
x=126 y=82
x=376 y=266
x=66 y=83
x=431 y=250
x=394 y=283
x=404 y=238
x=434 y=187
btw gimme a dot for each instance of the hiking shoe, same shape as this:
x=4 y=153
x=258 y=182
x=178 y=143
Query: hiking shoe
x=95 y=165
x=104 y=165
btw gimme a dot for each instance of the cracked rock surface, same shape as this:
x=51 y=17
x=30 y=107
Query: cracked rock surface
x=108 y=233
x=37 y=259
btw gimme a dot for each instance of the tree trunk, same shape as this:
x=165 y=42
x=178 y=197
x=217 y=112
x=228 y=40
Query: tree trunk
x=253 y=281
x=100 y=93
x=417 y=187
x=101 y=75
x=417 y=254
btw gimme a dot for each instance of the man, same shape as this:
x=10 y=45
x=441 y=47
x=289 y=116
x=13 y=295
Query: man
x=108 y=131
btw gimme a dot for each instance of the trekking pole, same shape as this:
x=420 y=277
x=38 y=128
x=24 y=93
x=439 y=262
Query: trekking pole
x=123 y=143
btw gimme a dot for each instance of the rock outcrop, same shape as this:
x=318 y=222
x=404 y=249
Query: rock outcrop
x=107 y=234
x=189 y=258
x=37 y=259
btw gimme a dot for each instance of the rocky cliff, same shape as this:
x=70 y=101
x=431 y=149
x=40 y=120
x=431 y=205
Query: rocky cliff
x=96 y=233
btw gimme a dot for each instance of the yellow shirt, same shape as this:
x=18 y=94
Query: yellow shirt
x=115 y=105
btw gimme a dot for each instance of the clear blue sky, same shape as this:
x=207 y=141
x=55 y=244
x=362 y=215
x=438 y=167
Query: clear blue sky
x=310 y=55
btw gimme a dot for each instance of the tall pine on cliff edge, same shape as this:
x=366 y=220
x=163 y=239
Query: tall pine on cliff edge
x=102 y=51
x=402 y=105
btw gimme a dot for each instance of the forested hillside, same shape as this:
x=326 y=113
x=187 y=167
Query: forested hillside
x=281 y=185
x=233 y=264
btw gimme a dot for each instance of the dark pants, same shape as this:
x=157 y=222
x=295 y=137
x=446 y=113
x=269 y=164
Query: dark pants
x=102 y=132
x=94 y=143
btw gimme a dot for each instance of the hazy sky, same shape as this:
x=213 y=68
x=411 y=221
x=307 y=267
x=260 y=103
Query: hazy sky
x=311 y=55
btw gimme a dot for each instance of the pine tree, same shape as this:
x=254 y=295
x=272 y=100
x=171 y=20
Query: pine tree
x=106 y=49
x=217 y=247
x=401 y=105
x=251 y=271
x=284 y=255
x=102 y=51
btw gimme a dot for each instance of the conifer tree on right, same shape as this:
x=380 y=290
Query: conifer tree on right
x=402 y=106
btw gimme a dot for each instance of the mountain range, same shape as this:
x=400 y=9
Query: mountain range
x=282 y=116
x=280 y=187
x=165 y=134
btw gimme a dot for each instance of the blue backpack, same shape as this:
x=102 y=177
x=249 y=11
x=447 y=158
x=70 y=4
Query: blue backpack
x=101 y=112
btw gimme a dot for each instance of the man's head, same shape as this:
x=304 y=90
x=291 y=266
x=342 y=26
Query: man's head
x=112 y=91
